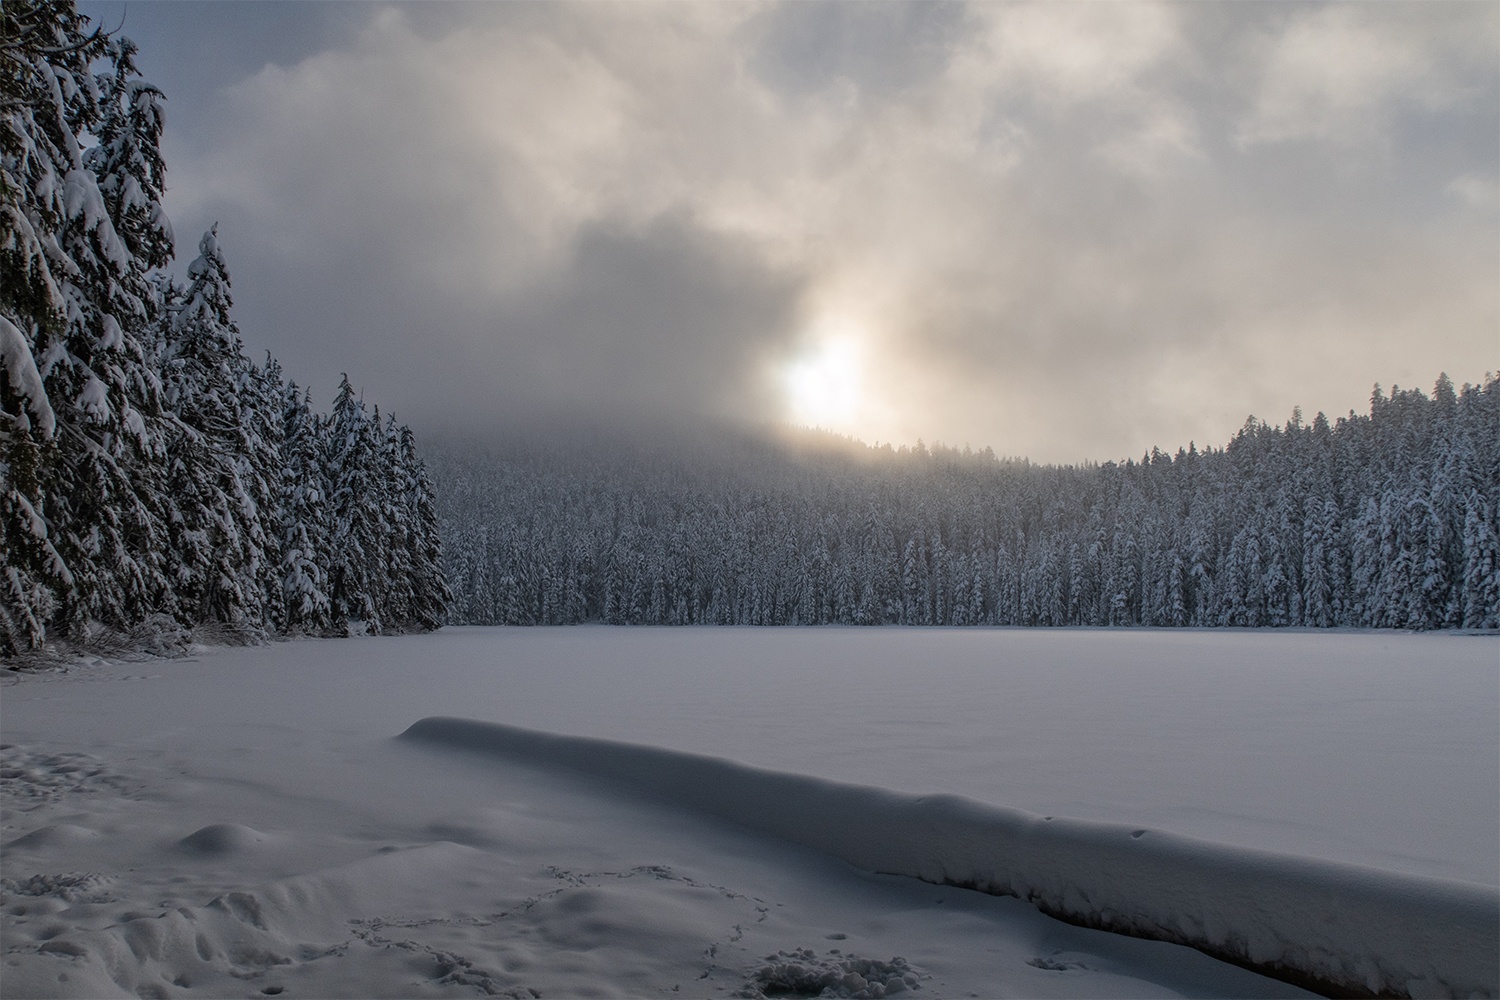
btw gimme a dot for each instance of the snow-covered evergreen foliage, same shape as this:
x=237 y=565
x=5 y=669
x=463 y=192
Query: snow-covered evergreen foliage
x=1386 y=520
x=151 y=475
x=305 y=556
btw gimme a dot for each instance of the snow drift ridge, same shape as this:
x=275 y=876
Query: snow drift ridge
x=1337 y=928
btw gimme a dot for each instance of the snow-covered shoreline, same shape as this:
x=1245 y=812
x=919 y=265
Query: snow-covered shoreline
x=1338 y=928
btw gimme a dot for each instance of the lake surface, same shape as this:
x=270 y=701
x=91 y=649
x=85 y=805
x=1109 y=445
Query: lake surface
x=1377 y=748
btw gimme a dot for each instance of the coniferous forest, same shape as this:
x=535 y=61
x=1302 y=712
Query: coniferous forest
x=153 y=478
x=1385 y=521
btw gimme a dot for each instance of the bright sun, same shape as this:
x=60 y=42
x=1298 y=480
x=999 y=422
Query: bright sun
x=822 y=383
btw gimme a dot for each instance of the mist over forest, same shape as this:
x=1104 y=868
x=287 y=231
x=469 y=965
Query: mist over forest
x=1384 y=520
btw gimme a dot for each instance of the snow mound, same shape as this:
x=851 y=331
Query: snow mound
x=222 y=838
x=241 y=942
x=52 y=836
x=801 y=973
x=1336 y=928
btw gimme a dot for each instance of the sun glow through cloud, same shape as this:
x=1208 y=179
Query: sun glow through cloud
x=1181 y=213
x=822 y=384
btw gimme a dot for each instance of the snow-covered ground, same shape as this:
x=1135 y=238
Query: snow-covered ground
x=244 y=823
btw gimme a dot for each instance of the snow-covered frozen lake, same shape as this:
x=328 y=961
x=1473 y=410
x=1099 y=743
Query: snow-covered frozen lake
x=1378 y=749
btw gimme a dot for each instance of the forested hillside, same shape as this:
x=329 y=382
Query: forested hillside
x=1386 y=520
x=152 y=477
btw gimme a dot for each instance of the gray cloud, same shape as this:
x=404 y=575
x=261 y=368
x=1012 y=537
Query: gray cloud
x=665 y=316
x=1067 y=231
x=878 y=49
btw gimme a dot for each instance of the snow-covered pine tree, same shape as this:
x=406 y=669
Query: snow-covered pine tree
x=1481 y=579
x=31 y=306
x=397 y=596
x=351 y=460
x=261 y=427
x=1317 y=584
x=219 y=543
x=430 y=595
x=1364 y=603
x=128 y=160
x=81 y=505
x=302 y=520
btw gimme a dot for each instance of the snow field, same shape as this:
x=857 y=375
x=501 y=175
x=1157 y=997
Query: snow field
x=254 y=802
x=380 y=869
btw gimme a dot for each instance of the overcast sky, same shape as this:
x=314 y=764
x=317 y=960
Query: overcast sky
x=1067 y=231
